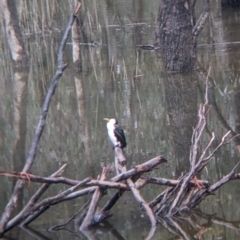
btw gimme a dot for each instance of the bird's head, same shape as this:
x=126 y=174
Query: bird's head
x=111 y=120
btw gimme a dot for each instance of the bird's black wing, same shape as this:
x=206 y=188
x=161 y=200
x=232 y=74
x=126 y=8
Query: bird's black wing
x=119 y=133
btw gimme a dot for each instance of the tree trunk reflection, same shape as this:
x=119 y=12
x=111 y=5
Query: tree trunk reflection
x=181 y=99
x=84 y=128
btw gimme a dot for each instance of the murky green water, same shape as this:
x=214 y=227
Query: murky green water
x=119 y=81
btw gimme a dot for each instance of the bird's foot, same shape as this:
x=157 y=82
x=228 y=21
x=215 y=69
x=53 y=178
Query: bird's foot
x=26 y=175
x=198 y=183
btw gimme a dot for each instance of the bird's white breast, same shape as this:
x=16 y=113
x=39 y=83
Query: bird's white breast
x=110 y=128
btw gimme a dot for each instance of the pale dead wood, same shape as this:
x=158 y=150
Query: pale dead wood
x=39 y=179
x=63 y=180
x=119 y=155
x=26 y=210
x=145 y=167
x=89 y=219
x=136 y=193
x=165 y=182
x=42 y=206
x=200 y=126
x=128 y=175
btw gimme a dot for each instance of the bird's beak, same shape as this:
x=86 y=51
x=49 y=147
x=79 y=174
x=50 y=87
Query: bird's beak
x=106 y=119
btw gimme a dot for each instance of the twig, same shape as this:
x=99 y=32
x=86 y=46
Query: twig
x=167 y=182
x=39 y=179
x=205 y=161
x=201 y=195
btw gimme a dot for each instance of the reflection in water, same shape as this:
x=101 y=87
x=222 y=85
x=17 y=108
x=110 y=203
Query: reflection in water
x=14 y=36
x=19 y=58
x=175 y=36
x=84 y=128
x=157 y=111
x=181 y=99
x=20 y=119
x=197 y=225
x=20 y=124
x=84 y=132
x=237 y=104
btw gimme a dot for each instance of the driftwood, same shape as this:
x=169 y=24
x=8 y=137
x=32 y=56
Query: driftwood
x=180 y=195
x=33 y=209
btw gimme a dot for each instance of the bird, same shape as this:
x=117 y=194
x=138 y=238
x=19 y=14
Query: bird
x=115 y=133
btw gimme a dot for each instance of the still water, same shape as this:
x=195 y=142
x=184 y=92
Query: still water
x=118 y=80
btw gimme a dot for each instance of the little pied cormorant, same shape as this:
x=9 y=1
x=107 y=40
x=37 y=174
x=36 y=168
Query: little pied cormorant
x=115 y=133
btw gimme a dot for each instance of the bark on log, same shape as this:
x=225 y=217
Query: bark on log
x=176 y=34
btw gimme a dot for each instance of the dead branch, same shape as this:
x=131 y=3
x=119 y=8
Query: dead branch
x=145 y=167
x=135 y=192
x=39 y=179
x=104 y=212
x=124 y=174
x=202 y=194
x=182 y=194
x=89 y=219
x=165 y=182
x=202 y=19
x=39 y=130
x=25 y=211
x=42 y=206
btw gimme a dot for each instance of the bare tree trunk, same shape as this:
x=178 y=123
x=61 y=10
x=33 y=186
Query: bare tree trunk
x=177 y=33
x=181 y=99
x=174 y=35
